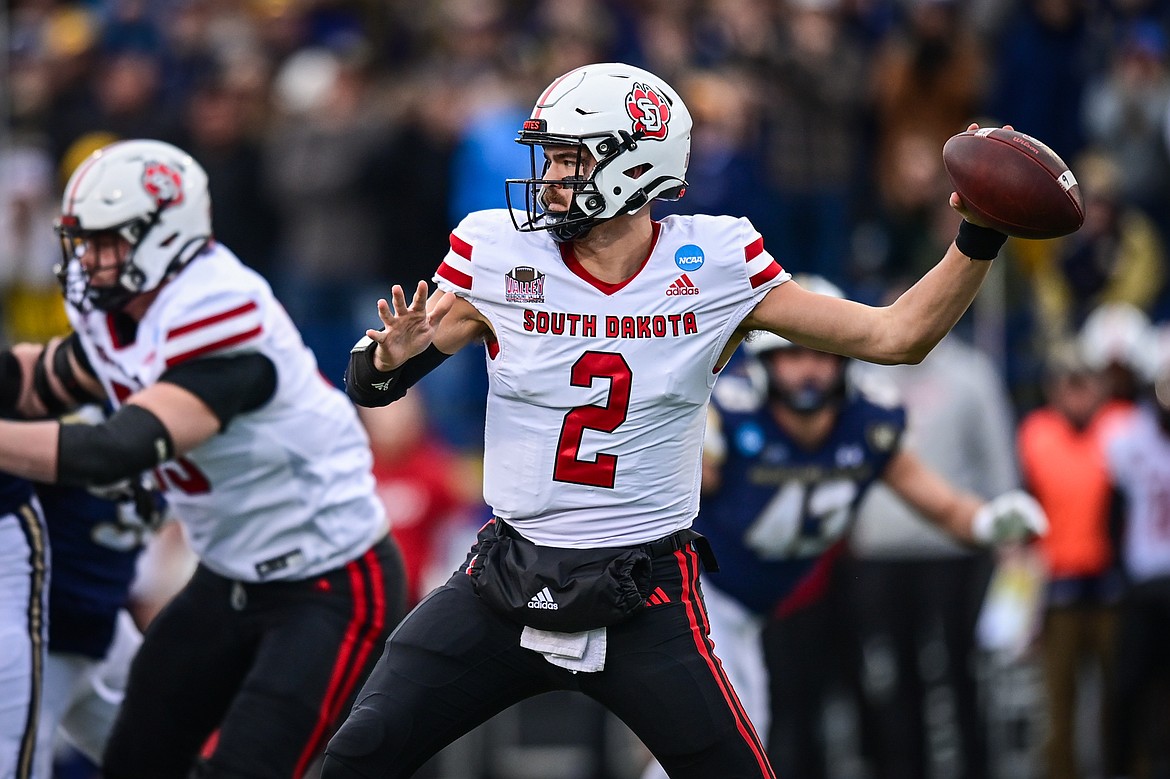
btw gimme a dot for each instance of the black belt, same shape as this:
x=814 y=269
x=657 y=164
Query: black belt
x=681 y=539
x=667 y=545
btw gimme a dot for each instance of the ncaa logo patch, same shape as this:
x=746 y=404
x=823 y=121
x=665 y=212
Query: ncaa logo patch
x=749 y=439
x=689 y=257
x=524 y=284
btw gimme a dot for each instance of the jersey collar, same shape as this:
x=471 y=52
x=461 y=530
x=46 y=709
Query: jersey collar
x=573 y=264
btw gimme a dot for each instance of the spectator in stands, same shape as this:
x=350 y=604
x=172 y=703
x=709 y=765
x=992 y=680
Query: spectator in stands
x=319 y=169
x=1118 y=255
x=814 y=91
x=1062 y=458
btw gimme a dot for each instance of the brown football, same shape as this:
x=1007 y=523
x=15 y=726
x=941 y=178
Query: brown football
x=1014 y=183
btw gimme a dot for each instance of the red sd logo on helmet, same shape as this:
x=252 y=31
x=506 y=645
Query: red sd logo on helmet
x=163 y=184
x=649 y=110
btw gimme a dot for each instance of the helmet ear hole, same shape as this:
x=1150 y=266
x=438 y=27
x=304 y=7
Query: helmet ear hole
x=638 y=171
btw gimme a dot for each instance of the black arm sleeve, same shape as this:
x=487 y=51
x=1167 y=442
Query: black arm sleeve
x=129 y=442
x=11 y=375
x=370 y=387
x=63 y=368
x=228 y=385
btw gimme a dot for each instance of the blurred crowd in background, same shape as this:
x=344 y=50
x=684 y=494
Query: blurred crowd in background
x=344 y=140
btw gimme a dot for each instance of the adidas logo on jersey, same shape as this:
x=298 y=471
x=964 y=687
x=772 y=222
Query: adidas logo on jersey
x=543 y=600
x=682 y=286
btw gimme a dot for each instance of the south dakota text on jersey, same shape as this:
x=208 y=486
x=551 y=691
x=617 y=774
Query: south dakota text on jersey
x=585 y=325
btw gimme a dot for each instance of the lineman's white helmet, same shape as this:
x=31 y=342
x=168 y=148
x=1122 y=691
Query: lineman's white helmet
x=633 y=123
x=150 y=193
x=1116 y=333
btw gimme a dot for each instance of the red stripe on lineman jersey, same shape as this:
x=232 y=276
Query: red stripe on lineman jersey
x=353 y=651
x=456 y=277
x=770 y=271
x=211 y=320
x=220 y=344
x=461 y=247
x=688 y=561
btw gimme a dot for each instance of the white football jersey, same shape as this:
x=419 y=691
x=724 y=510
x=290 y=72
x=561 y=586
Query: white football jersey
x=284 y=491
x=598 y=392
x=1139 y=462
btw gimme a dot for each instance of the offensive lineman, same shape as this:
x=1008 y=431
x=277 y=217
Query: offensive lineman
x=265 y=464
x=604 y=332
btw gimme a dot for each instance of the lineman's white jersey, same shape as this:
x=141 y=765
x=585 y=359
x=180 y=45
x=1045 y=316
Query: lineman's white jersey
x=1139 y=462
x=598 y=392
x=284 y=491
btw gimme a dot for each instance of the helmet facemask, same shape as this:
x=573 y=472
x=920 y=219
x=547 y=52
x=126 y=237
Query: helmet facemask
x=120 y=243
x=806 y=397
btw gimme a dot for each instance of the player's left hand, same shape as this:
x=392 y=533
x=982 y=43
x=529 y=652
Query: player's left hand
x=1011 y=517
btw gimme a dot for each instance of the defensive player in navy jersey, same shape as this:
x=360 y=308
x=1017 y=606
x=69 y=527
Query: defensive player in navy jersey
x=95 y=541
x=782 y=480
x=24 y=592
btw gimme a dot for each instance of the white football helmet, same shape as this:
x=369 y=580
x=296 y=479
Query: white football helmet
x=635 y=126
x=150 y=193
x=1116 y=332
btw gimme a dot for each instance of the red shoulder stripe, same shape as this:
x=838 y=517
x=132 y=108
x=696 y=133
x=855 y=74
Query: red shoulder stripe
x=767 y=274
x=456 y=277
x=238 y=311
x=461 y=247
x=753 y=249
x=221 y=344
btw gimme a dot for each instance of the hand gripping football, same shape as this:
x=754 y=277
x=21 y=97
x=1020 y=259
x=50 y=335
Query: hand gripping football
x=1014 y=183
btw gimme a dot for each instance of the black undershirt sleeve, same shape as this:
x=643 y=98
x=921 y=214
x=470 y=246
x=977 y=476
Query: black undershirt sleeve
x=228 y=385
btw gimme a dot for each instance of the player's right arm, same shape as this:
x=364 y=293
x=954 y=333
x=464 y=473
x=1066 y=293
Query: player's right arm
x=415 y=338
x=39 y=381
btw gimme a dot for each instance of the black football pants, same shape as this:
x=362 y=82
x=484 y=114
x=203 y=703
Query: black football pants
x=272 y=666
x=453 y=663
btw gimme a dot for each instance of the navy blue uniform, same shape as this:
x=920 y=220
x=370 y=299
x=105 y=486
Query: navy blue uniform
x=780 y=507
x=91 y=580
x=778 y=522
x=24 y=571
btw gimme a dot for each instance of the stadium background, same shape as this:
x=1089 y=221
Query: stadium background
x=345 y=139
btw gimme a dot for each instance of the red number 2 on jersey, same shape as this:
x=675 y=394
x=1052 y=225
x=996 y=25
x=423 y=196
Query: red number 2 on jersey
x=600 y=472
